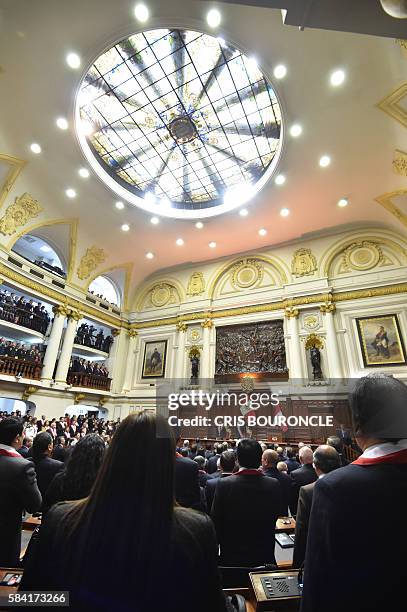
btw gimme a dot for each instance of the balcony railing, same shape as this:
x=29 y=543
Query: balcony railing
x=20 y=316
x=82 y=379
x=20 y=367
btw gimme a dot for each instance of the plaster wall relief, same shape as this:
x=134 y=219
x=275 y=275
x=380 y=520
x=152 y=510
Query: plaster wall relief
x=23 y=209
x=93 y=257
x=303 y=263
x=161 y=295
x=246 y=275
x=196 y=284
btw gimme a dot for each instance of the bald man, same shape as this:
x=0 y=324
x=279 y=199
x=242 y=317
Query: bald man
x=269 y=461
x=326 y=459
x=301 y=477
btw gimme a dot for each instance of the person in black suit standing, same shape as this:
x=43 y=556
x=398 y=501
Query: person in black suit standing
x=245 y=509
x=25 y=447
x=187 y=490
x=227 y=464
x=45 y=467
x=326 y=459
x=338 y=446
x=356 y=504
x=291 y=460
x=203 y=477
x=269 y=462
x=213 y=461
x=18 y=490
x=303 y=476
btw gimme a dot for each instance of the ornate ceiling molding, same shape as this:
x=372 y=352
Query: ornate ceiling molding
x=390 y=104
x=90 y=261
x=16 y=165
x=386 y=201
x=17 y=214
x=400 y=163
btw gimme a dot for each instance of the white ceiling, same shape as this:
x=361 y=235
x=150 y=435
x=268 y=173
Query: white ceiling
x=36 y=87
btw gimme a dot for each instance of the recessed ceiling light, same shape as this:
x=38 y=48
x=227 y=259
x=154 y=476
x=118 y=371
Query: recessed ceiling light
x=84 y=172
x=343 y=202
x=125 y=227
x=212 y=245
x=280 y=71
x=213 y=18
x=70 y=193
x=243 y=212
x=73 y=60
x=199 y=225
x=280 y=179
x=324 y=161
x=119 y=205
x=262 y=231
x=337 y=77
x=149 y=255
x=45 y=249
x=141 y=12
x=179 y=242
x=62 y=123
x=35 y=148
x=295 y=130
x=154 y=220
x=284 y=212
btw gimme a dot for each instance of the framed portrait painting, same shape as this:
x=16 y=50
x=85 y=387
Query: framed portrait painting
x=381 y=341
x=155 y=354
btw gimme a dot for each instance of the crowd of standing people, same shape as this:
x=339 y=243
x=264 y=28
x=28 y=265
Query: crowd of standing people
x=23 y=311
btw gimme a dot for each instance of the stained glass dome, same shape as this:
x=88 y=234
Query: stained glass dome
x=179 y=122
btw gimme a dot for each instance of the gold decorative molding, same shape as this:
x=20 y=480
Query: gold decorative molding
x=246 y=273
x=24 y=208
x=361 y=256
x=115 y=332
x=208 y=323
x=390 y=104
x=132 y=333
x=16 y=165
x=90 y=261
x=78 y=397
x=400 y=163
x=386 y=201
x=127 y=268
x=291 y=313
x=162 y=294
x=194 y=351
x=311 y=321
x=75 y=315
x=196 y=284
x=60 y=310
x=313 y=341
x=402 y=42
x=327 y=307
x=28 y=391
x=303 y=263
x=181 y=327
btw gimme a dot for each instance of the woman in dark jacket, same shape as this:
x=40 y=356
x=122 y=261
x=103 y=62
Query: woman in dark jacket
x=128 y=547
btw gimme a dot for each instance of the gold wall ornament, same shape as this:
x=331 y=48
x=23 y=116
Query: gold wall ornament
x=194 y=351
x=400 y=163
x=90 y=261
x=207 y=323
x=195 y=334
x=327 y=307
x=15 y=166
x=314 y=341
x=28 y=391
x=132 y=333
x=75 y=315
x=311 y=321
x=246 y=273
x=291 y=313
x=386 y=200
x=102 y=400
x=78 y=397
x=362 y=256
x=303 y=263
x=402 y=42
x=60 y=310
x=115 y=332
x=24 y=208
x=196 y=284
x=181 y=327
x=392 y=107
x=162 y=294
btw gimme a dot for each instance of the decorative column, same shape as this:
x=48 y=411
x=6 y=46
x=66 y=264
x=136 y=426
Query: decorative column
x=296 y=366
x=128 y=376
x=332 y=348
x=117 y=359
x=60 y=312
x=180 y=359
x=66 y=352
x=206 y=349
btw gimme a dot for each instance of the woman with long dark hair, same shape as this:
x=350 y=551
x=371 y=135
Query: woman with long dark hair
x=128 y=546
x=76 y=480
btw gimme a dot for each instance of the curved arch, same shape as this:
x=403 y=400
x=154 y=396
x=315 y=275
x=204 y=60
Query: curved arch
x=274 y=262
x=384 y=236
x=72 y=222
x=140 y=298
x=124 y=293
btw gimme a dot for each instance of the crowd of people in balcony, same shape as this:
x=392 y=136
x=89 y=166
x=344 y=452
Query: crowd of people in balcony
x=46 y=266
x=91 y=336
x=102 y=297
x=18 y=350
x=23 y=311
x=83 y=366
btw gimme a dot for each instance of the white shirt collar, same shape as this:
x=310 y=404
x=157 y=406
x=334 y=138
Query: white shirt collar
x=8 y=448
x=381 y=450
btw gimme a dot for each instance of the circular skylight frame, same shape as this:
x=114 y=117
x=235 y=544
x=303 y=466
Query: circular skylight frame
x=236 y=195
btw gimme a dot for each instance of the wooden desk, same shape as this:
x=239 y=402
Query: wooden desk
x=31 y=523
x=282 y=528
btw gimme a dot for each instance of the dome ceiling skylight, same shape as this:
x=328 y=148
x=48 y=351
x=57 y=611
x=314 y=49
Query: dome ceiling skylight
x=176 y=120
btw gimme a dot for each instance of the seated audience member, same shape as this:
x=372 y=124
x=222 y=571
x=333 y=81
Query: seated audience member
x=227 y=462
x=350 y=507
x=203 y=477
x=282 y=467
x=129 y=527
x=302 y=476
x=60 y=450
x=187 y=490
x=269 y=462
x=45 y=466
x=25 y=447
x=326 y=459
x=18 y=490
x=76 y=479
x=245 y=509
x=338 y=446
x=291 y=460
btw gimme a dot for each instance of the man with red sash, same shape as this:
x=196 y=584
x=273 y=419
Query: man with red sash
x=18 y=490
x=357 y=539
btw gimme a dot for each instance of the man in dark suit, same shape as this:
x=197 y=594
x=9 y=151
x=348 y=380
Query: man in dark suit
x=203 y=477
x=245 y=509
x=351 y=505
x=227 y=464
x=291 y=460
x=18 y=490
x=303 y=476
x=269 y=462
x=326 y=459
x=338 y=446
x=213 y=461
x=45 y=467
x=187 y=490
x=60 y=451
x=25 y=448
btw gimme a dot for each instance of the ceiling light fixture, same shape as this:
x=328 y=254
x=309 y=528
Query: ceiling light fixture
x=141 y=12
x=35 y=148
x=70 y=193
x=84 y=172
x=284 y=212
x=337 y=77
x=280 y=179
x=179 y=242
x=213 y=18
x=324 y=161
x=280 y=71
x=295 y=130
x=125 y=227
x=155 y=220
x=212 y=245
x=73 y=60
x=262 y=231
x=199 y=225
x=62 y=123
x=119 y=205
x=149 y=255
x=243 y=212
x=343 y=202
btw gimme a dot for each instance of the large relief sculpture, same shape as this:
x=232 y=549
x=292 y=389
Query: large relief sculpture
x=254 y=347
x=90 y=261
x=24 y=208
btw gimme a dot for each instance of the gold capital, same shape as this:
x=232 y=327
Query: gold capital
x=207 y=323
x=181 y=327
x=291 y=313
x=327 y=307
x=132 y=333
x=115 y=332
